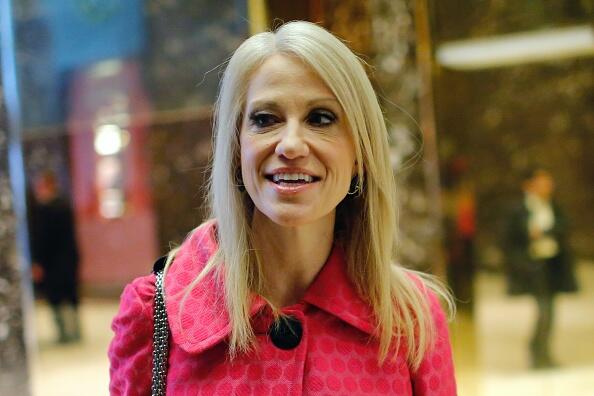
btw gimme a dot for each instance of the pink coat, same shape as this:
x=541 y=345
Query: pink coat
x=336 y=355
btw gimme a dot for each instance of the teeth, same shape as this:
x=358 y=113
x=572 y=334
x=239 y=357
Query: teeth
x=291 y=177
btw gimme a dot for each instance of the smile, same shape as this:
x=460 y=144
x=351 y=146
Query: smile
x=292 y=182
x=292 y=178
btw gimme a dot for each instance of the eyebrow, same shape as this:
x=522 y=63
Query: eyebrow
x=274 y=105
x=324 y=99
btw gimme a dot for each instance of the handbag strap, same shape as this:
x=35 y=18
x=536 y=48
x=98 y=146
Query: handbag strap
x=161 y=333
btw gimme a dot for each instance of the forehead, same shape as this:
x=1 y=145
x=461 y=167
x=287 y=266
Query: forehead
x=284 y=77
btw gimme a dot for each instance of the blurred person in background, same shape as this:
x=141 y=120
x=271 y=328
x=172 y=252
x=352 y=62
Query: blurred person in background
x=291 y=287
x=538 y=257
x=55 y=255
x=460 y=231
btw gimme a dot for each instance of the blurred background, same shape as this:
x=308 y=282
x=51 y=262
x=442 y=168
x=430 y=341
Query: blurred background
x=107 y=106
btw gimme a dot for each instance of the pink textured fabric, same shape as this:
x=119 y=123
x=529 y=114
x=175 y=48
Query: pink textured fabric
x=336 y=355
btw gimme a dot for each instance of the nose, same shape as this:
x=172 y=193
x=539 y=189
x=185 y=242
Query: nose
x=292 y=142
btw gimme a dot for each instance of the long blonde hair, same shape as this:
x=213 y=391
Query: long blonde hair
x=366 y=226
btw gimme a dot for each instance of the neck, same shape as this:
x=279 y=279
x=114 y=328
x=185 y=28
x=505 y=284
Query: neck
x=291 y=257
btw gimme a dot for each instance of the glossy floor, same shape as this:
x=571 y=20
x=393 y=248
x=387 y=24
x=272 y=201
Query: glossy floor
x=490 y=350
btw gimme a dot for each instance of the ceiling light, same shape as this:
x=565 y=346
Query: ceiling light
x=518 y=48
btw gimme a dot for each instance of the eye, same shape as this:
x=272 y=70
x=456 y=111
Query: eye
x=321 y=118
x=262 y=120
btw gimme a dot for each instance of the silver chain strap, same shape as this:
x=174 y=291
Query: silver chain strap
x=160 y=340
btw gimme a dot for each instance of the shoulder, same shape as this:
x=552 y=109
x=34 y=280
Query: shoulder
x=130 y=351
x=200 y=241
x=136 y=307
x=191 y=257
x=139 y=294
x=435 y=374
x=518 y=207
x=428 y=285
x=436 y=297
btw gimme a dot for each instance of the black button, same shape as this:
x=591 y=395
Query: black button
x=285 y=333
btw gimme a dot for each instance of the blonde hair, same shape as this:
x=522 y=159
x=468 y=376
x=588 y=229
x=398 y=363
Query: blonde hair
x=366 y=226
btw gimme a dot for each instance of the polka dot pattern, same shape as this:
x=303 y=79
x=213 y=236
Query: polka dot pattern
x=436 y=372
x=336 y=355
x=132 y=345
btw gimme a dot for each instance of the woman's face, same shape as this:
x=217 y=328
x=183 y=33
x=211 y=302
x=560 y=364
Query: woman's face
x=297 y=154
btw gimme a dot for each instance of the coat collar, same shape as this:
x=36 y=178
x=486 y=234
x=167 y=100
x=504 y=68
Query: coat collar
x=199 y=320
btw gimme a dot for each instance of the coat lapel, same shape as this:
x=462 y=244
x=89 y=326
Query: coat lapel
x=197 y=314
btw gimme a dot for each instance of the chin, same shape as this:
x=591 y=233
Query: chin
x=288 y=219
x=290 y=216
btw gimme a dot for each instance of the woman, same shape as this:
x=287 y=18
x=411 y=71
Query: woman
x=291 y=289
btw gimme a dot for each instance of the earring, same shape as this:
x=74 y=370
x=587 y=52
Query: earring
x=355 y=187
x=239 y=180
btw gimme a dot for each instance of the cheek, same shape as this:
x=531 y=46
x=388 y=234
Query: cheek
x=247 y=162
x=346 y=160
x=245 y=149
x=251 y=156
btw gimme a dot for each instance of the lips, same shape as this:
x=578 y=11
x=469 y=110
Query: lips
x=291 y=180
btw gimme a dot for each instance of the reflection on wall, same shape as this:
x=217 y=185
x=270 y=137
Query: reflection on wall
x=55 y=38
x=398 y=83
x=487 y=18
x=84 y=32
x=180 y=45
x=179 y=153
x=156 y=52
x=108 y=126
x=503 y=120
x=110 y=143
x=190 y=40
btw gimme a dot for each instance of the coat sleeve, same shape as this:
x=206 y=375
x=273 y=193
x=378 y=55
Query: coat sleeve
x=130 y=351
x=435 y=376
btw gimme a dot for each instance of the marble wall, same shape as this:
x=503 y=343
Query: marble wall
x=179 y=153
x=382 y=32
x=398 y=82
x=189 y=42
x=13 y=357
